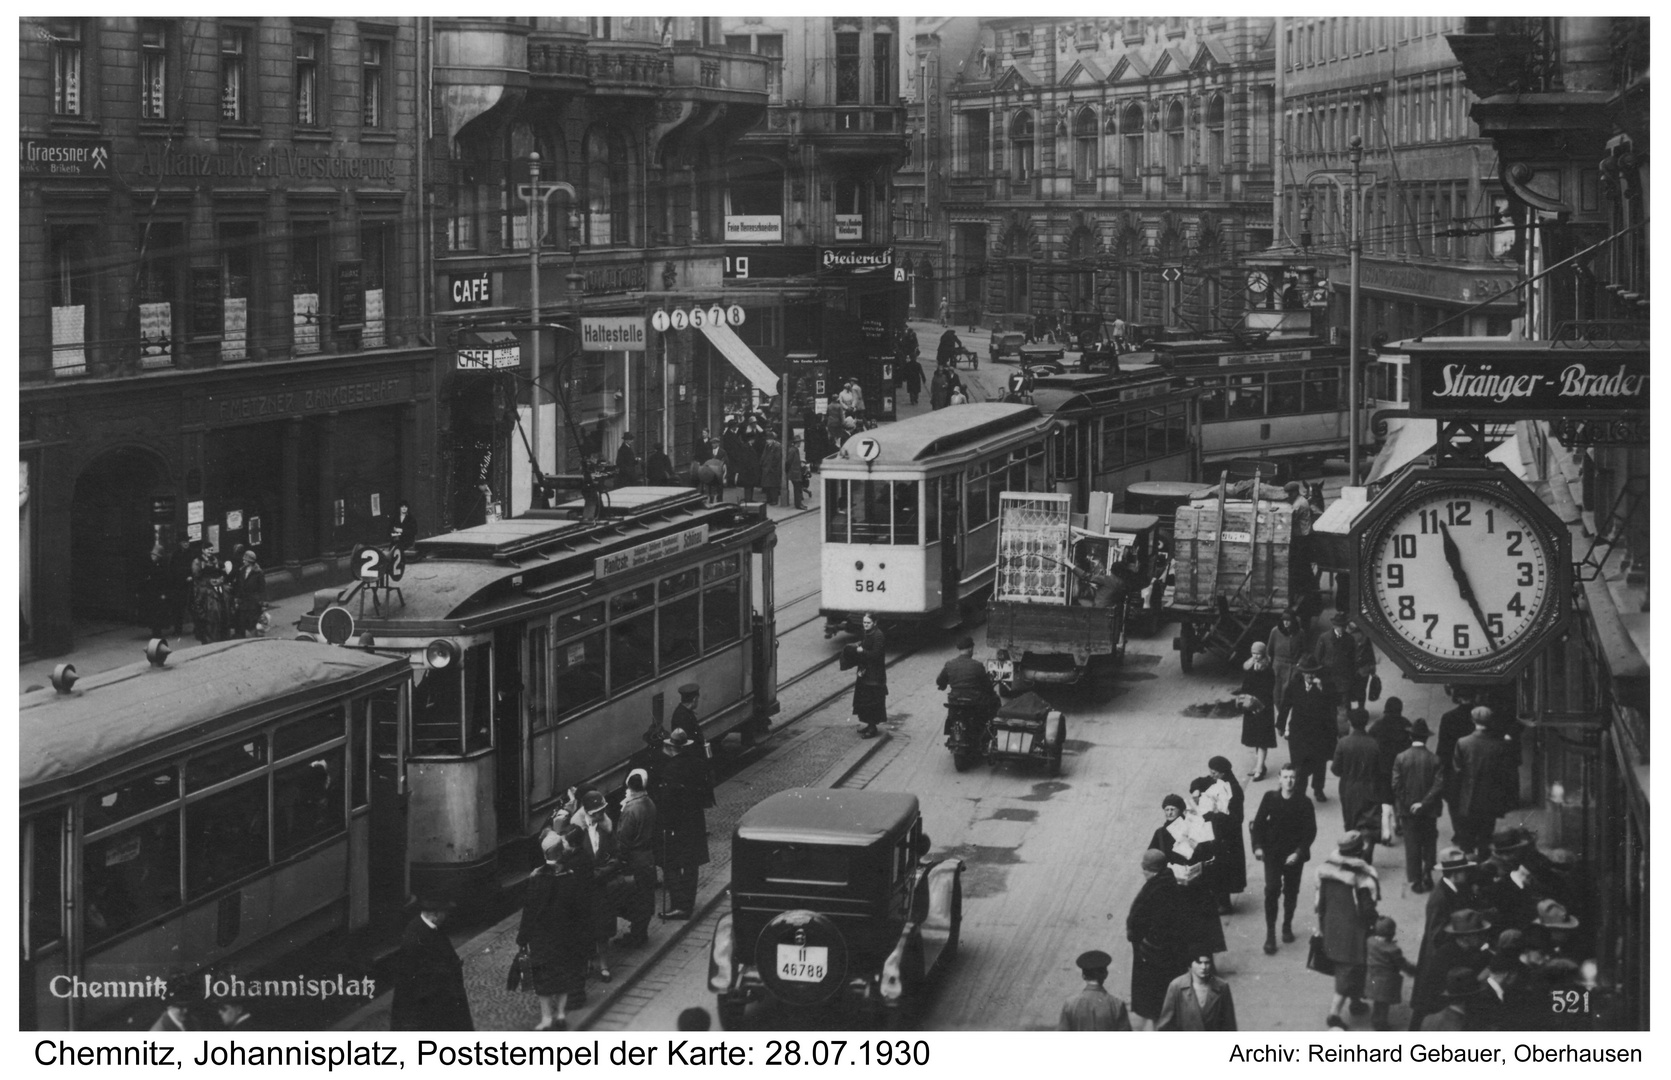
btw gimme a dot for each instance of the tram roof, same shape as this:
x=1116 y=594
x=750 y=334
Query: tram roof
x=938 y=432
x=116 y=717
x=828 y=816
x=1057 y=399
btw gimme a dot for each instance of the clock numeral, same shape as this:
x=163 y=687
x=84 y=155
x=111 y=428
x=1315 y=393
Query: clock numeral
x=1459 y=634
x=1429 y=520
x=1395 y=575
x=1516 y=605
x=1432 y=622
x=1525 y=577
x=1490 y=520
x=1407 y=607
x=1458 y=512
x=1515 y=537
x=1494 y=623
x=1404 y=544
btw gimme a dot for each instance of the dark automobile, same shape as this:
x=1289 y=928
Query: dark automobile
x=1043 y=354
x=834 y=903
x=1005 y=345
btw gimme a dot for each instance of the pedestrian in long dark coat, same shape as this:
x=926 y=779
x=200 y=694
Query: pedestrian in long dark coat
x=1230 y=849
x=1348 y=889
x=1480 y=796
x=1256 y=696
x=251 y=593
x=870 y=686
x=1159 y=952
x=948 y=349
x=771 y=469
x=1454 y=723
x=1357 y=761
x=1288 y=645
x=940 y=388
x=1337 y=651
x=913 y=378
x=793 y=461
x=682 y=795
x=744 y=464
x=1199 y=903
x=1309 y=721
x=180 y=582
x=659 y=467
x=429 y=977
x=1416 y=783
x=557 y=927
x=1462 y=945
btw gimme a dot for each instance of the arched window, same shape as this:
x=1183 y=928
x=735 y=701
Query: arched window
x=1175 y=139
x=1131 y=127
x=1085 y=145
x=606 y=195
x=1023 y=163
x=1215 y=134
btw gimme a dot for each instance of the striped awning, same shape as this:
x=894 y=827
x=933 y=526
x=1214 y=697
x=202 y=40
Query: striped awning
x=742 y=357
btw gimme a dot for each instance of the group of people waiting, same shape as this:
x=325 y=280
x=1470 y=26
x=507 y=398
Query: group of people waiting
x=224 y=598
x=748 y=454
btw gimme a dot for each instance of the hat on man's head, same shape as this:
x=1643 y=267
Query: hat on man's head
x=1553 y=915
x=1453 y=859
x=1510 y=842
x=1310 y=665
x=679 y=739
x=690 y=689
x=1154 y=860
x=249 y=556
x=1292 y=487
x=1339 y=618
x=1460 y=982
x=1467 y=921
x=1350 y=844
x=1094 y=960
x=592 y=799
x=1419 y=731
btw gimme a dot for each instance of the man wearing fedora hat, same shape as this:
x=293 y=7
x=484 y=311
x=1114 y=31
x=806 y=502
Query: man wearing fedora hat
x=1461 y=987
x=1463 y=944
x=1308 y=719
x=1454 y=892
x=1417 y=783
x=1515 y=893
x=1094 y=1008
x=180 y=1000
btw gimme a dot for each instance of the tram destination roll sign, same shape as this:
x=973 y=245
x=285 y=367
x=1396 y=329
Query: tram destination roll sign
x=664 y=547
x=1535 y=382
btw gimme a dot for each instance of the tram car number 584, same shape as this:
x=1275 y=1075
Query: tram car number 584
x=866 y=585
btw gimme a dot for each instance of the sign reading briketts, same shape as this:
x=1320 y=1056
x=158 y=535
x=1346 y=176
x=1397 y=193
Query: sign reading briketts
x=1535 y=380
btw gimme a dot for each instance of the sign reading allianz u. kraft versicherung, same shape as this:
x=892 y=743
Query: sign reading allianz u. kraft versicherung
x=623 y=334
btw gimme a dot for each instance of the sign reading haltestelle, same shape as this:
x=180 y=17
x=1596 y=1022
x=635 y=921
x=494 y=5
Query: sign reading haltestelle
x=612 y=334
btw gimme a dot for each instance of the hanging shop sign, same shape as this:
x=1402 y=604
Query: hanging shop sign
x=644 y=554
x=744 y=263
x=759 y=228
x=471 y=290
x=487 y=351
x=625 y=334
x=1534 y=381
x=855 y=260
x=850 y=226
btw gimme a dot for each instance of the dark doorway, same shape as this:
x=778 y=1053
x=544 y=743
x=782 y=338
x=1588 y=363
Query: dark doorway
x=510 y=745
x=112 y=532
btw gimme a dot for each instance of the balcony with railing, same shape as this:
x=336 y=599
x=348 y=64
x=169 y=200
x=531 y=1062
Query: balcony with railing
x=557 y=60
x=717 y=75
x=628 y=68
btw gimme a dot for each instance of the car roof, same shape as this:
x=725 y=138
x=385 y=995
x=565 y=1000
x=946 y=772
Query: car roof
x=828 y=816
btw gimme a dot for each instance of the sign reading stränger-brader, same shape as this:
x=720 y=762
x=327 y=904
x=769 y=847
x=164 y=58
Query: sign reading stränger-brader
x=1527 y=379
x=623 y=334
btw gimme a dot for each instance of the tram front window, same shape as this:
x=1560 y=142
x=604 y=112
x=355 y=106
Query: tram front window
x=835 y=511
x=436 y=711
x=868 y=501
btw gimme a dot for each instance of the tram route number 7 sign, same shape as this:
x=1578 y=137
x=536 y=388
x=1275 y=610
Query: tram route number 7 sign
x=869 y=449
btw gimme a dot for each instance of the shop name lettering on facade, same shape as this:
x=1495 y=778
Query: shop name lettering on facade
x=608 y=279
x=1556 y=387
x=314 y=400
x=280 y=161
x=856 y=259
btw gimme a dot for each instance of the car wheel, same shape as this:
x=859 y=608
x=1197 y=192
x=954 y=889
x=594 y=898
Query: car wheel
x=733 y=1013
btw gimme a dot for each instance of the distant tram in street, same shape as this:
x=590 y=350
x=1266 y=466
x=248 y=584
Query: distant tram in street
x=1115 y=430
x=910 y=511
x=544 y=645
x=217 y=808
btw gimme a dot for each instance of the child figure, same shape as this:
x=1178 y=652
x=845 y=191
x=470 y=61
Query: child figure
x=1384 y=985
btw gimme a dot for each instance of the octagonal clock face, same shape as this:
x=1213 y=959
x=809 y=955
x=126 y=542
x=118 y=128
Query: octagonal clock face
x=1461 y=574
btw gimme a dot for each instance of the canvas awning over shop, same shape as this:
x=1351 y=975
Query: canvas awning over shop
x=742 y=357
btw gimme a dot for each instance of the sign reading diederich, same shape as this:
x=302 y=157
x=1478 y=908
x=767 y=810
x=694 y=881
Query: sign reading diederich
x=855 y=260
x=1537 y=382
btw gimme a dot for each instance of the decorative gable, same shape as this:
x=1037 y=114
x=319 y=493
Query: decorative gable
x=1083 y=73
x=1018 y=77
x=1214 y=50
x=1130 y=68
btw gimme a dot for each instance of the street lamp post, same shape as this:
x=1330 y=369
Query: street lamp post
x=1351 y=184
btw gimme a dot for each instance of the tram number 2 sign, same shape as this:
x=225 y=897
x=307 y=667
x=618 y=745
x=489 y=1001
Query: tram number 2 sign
x=377 y=566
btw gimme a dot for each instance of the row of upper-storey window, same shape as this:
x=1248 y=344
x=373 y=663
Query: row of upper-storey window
x=1319 y=41
x=1117 y=137
x=164 y=51
x=1426 y=108
x=1454 y=220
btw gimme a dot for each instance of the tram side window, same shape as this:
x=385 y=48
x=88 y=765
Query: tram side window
x=46 y=879
x=1212 y=398
x=1157 y=431
x=835 y=511
x=931 y=519
x=974 y=500
x=1284 y=391
x=1246 y=395
x=1177 y=428
x=579 y=673
x=905 y=512
x=130 y=798
x=435 y=711
x=681 y=618
x=1113 y=442
x=307 y=802
x=226 y=836
x=1065 y=445
x=130 y=876
x=295 y=737
x=722 y=620
x=632 y=650
x=1322 y=389
x=1137 y=435
x=870 y=510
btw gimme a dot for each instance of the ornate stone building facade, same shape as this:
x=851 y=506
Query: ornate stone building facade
x=1116 y=165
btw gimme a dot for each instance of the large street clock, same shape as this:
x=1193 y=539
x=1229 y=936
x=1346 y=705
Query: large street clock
x=1463 y=575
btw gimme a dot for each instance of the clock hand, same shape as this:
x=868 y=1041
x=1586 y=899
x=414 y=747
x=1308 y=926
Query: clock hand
x=1453 y=555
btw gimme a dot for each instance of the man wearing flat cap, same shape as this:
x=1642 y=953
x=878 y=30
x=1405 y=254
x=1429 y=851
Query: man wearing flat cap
x=1417 y=784
x=1094 y=1008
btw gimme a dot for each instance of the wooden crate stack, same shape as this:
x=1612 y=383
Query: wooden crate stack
x=1212 y=560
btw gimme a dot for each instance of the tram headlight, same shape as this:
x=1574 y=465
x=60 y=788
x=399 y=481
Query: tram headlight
x=441 y=653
